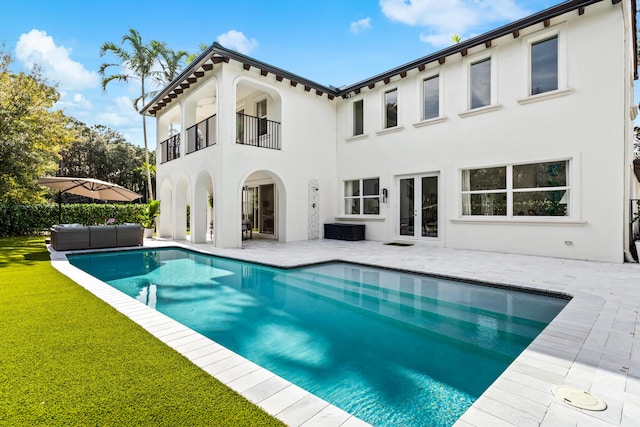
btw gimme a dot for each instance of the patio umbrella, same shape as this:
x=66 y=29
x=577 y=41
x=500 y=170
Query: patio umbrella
x=88 y=187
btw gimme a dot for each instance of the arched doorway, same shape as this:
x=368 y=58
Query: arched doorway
x=263 y=206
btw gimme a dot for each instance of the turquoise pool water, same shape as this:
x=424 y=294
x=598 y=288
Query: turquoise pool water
x=392 y=348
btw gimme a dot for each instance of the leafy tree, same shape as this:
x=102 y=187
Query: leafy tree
x=135 y=63
x=31 y=133
x=102 y=153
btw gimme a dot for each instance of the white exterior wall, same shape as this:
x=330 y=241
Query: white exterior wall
x=587 y=121
x=574 y=126
x=307 y=153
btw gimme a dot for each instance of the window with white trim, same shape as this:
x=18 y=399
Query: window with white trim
x=362 y=196
x=431 y=97
x=544 y=66
x=261 y=112
x=391 y=108
x=358 y=117
x=480 y=83
x=535 y=189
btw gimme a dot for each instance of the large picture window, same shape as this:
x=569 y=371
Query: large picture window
x=362 y=196
x=536 y=189
x=544 y=66
x=431 y=98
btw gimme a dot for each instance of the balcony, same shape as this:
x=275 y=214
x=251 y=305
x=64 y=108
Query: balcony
x=201 y=135
x=170 y=149
x=258 y=132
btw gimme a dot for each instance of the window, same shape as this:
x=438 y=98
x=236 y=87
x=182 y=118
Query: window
x=536 y=189
x=391 y=108
x=431 y=97
x=544 y=66
x=362 y=196
x=480 y=84
x=261 y=113
x=358 y=117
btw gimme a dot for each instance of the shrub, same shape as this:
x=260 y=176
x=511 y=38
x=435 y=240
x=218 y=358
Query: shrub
x=22 y=220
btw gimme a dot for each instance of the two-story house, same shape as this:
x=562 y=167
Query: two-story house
x=519 y=140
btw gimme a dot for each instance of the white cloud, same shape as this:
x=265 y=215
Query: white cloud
x=120 y=113
x=37 y=48
x=446 y=18
x=360 y=26
x=237 y=41
x=76 y=102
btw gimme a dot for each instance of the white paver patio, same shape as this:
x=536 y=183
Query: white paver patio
x=592 y=343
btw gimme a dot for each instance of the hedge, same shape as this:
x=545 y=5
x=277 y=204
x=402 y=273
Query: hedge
x=23 y=220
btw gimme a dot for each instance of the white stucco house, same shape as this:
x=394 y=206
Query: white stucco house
x=519 y=140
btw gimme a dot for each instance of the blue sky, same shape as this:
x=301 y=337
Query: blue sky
x=333 y=42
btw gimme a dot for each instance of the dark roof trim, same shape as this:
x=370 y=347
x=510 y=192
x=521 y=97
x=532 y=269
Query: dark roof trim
x=464 y=46
x=216 y=54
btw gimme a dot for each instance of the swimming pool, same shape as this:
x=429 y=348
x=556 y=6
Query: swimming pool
x=390 y=347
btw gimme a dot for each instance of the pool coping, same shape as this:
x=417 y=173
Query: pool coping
x=278 y=397
x=572 y=350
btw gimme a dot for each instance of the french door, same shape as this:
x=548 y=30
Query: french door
x=418 y=206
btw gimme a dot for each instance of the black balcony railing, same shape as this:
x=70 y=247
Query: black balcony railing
x=257 y=131
x=170 y=149
x=201 y=135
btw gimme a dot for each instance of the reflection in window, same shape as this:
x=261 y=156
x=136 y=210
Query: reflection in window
x=362 y=196
x=261 y=112
x=358 y=117
x=431 y=96
x=536 y=189
x=480 y=77
x=544 y=66
x=391 y=111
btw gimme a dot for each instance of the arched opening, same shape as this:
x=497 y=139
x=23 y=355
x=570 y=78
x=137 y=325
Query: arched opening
x=263 y=206
x=201 y=117
x=182 y=202
x=165 y=219
x=258 y=114
x=202 y=209
x=169 y=129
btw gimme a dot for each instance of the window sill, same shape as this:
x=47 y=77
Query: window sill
x=357 y=137
x=490 y=219
x=390 y=130
x=371 y=218
x=430 y=121
x=544 y=96
x=480 y=110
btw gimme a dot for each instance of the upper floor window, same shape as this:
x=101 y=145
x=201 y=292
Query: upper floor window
x=535 y=189
x=544 y=66
x=391 y=108
x=480 y=83
x=358 y=117
x=261 y=113
x=431 y=97
x=362 y=196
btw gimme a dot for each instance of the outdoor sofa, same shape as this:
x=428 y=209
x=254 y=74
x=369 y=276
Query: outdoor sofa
x=66 y=237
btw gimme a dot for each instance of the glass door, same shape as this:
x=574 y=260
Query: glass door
x=418 y=206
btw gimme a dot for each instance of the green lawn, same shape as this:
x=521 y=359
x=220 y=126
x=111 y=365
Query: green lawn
x=67 y=358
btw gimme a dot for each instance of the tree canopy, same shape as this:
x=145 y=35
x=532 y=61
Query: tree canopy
x=102 y=153
x=31 y=134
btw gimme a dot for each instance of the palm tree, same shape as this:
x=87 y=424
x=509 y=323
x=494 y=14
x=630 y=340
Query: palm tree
x=135 y=64
x=203 y=46
x=171 y=63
